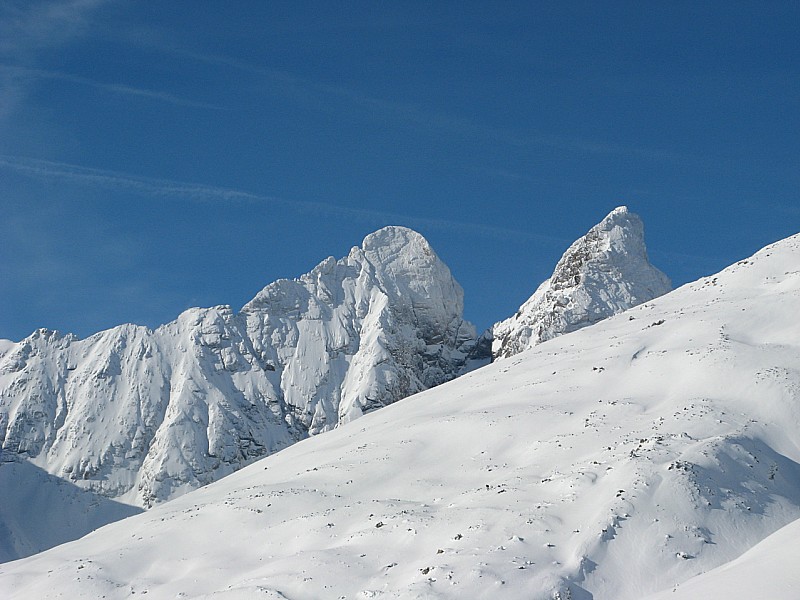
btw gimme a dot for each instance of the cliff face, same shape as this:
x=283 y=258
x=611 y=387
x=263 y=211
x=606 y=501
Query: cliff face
x=149 y=414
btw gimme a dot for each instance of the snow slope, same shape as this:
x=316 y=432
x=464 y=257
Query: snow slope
x=610 y=463
x=39 y=511
x=767 y=570
x=603 y=273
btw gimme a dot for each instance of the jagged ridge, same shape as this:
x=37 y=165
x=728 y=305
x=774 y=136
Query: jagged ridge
x=147 y=415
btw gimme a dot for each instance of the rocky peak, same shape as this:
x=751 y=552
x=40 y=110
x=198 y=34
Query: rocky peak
x=603 y=273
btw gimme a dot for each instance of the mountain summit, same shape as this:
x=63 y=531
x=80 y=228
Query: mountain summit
x=601 y=274
x=378 y=325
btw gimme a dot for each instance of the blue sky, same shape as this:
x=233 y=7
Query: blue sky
x=160 y=155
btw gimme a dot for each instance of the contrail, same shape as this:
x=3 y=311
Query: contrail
x=197 y=192
x=116 y=88
x=294 y=85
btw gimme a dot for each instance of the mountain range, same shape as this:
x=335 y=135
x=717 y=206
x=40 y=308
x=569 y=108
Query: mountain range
x=145 y=415
x=653 y=453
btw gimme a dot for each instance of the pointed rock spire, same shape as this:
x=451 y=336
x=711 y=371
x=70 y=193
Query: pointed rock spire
x=603 y=273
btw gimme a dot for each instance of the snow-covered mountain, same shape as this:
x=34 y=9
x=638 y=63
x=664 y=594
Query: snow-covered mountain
x=145 y=415
x=601 y=274
x=611 y=463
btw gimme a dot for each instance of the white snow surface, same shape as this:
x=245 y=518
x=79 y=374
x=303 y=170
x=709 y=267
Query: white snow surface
x=39 y=511
x=612 y=463
x=603 y=273
x=145 y=415
x=767 y=570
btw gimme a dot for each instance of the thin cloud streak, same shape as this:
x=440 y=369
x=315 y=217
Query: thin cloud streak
x=193 y=192
x=29 y=28
x=408 y=112
x=117 y=88
x=41 y=25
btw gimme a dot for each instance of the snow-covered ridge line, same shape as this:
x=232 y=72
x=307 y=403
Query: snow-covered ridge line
x=146 y=415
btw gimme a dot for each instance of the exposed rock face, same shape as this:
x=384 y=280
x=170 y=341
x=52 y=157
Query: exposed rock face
x=601 y=274
x=147 y=415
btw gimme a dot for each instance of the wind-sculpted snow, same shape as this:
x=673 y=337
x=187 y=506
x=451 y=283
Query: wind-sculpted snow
x=610 y=464
x=601 y=274
x=146 y=415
